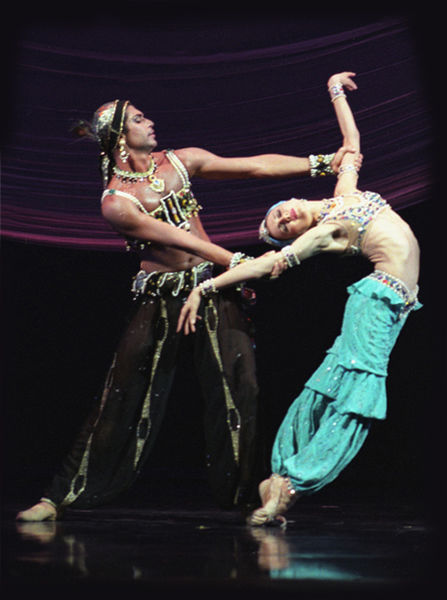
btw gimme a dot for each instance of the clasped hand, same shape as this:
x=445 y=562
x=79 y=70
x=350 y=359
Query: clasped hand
x=271 y=263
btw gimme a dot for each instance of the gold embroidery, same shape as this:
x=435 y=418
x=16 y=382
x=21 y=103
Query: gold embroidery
x=145 y=412
x=233 y=427
x=83 y=467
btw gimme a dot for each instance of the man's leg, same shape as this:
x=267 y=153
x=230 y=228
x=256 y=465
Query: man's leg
x=122 y=427
x=225 y=362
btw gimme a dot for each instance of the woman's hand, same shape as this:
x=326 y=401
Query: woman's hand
x=279 y=267
x=345 y=79
x=250 y=269
x=188 y=314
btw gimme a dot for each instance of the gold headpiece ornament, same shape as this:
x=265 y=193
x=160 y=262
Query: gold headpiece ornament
x=108 y=124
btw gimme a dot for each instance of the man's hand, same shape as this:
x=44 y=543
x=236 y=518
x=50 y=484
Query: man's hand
x=279 y=267
x=336 y=161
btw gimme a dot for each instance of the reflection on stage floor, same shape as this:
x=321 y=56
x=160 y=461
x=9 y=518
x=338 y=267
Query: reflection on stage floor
x=324 y=547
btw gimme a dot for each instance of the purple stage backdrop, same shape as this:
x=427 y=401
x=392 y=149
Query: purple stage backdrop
x=234 y=87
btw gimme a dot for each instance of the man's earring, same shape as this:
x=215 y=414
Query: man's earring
x=123 y=152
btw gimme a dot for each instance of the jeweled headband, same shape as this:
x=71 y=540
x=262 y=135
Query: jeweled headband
x=107 y=126
x=264 y=232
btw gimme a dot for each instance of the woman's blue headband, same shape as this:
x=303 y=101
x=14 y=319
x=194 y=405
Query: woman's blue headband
x=264 y=232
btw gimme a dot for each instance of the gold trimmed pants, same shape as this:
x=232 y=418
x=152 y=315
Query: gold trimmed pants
x=122 y=428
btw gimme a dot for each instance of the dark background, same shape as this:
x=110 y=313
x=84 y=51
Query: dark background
x=64 y=305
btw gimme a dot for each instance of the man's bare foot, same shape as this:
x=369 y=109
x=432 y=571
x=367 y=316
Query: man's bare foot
x=43 y=532
x=42 y=511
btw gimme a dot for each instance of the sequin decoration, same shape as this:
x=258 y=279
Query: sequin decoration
x=359 y=216
x=398 y=287
x=171 y=283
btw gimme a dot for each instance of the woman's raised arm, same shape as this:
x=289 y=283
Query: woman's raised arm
x=348 y=176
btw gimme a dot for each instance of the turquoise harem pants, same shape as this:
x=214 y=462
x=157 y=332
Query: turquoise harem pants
x=328 y=422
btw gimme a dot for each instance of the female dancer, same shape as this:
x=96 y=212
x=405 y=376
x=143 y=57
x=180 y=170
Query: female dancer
x=328 y=422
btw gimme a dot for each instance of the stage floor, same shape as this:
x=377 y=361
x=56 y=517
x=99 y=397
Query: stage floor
x=324 y=549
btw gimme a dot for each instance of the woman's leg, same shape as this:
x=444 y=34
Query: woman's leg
x=315 y=443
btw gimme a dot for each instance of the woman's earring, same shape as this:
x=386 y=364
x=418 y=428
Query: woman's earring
x=123 y=152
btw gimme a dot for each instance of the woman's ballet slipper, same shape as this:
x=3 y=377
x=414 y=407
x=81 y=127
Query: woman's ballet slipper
x=277 y=496
x=42 y=511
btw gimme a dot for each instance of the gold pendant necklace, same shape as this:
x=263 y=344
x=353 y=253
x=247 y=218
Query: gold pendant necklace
x=155 y=183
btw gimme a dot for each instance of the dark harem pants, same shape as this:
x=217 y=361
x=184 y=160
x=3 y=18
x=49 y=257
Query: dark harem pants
x=121 y=430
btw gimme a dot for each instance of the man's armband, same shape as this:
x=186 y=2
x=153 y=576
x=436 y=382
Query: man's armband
x=238 y=258
x=320 y=164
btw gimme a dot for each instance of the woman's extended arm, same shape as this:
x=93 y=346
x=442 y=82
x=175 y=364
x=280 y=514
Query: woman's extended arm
x=322 y=238
x=251 y=269
x=347 y=177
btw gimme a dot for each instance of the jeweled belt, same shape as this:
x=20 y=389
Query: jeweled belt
x=409 y=297
x=159 y=283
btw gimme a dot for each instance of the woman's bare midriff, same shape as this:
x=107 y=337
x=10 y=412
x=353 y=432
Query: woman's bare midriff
x=391 y=246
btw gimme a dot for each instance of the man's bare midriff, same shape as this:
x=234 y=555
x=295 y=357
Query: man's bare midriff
x=156 y=257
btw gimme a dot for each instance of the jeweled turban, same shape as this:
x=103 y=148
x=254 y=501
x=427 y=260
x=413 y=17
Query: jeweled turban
x=107 y=125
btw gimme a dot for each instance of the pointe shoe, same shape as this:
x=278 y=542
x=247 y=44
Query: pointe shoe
x=42 y=511
x=277 y=496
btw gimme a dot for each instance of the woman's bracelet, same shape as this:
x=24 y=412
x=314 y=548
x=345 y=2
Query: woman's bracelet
x=320 y=164
x=347 y=169
x=207 y=288
x=290 y=256
x=336 y=91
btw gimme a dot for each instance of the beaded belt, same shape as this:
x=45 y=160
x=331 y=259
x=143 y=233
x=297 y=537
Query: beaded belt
x=398 y=286
x=172 y=283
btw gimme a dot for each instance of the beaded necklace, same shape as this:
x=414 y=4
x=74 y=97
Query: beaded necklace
x=156 y=184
